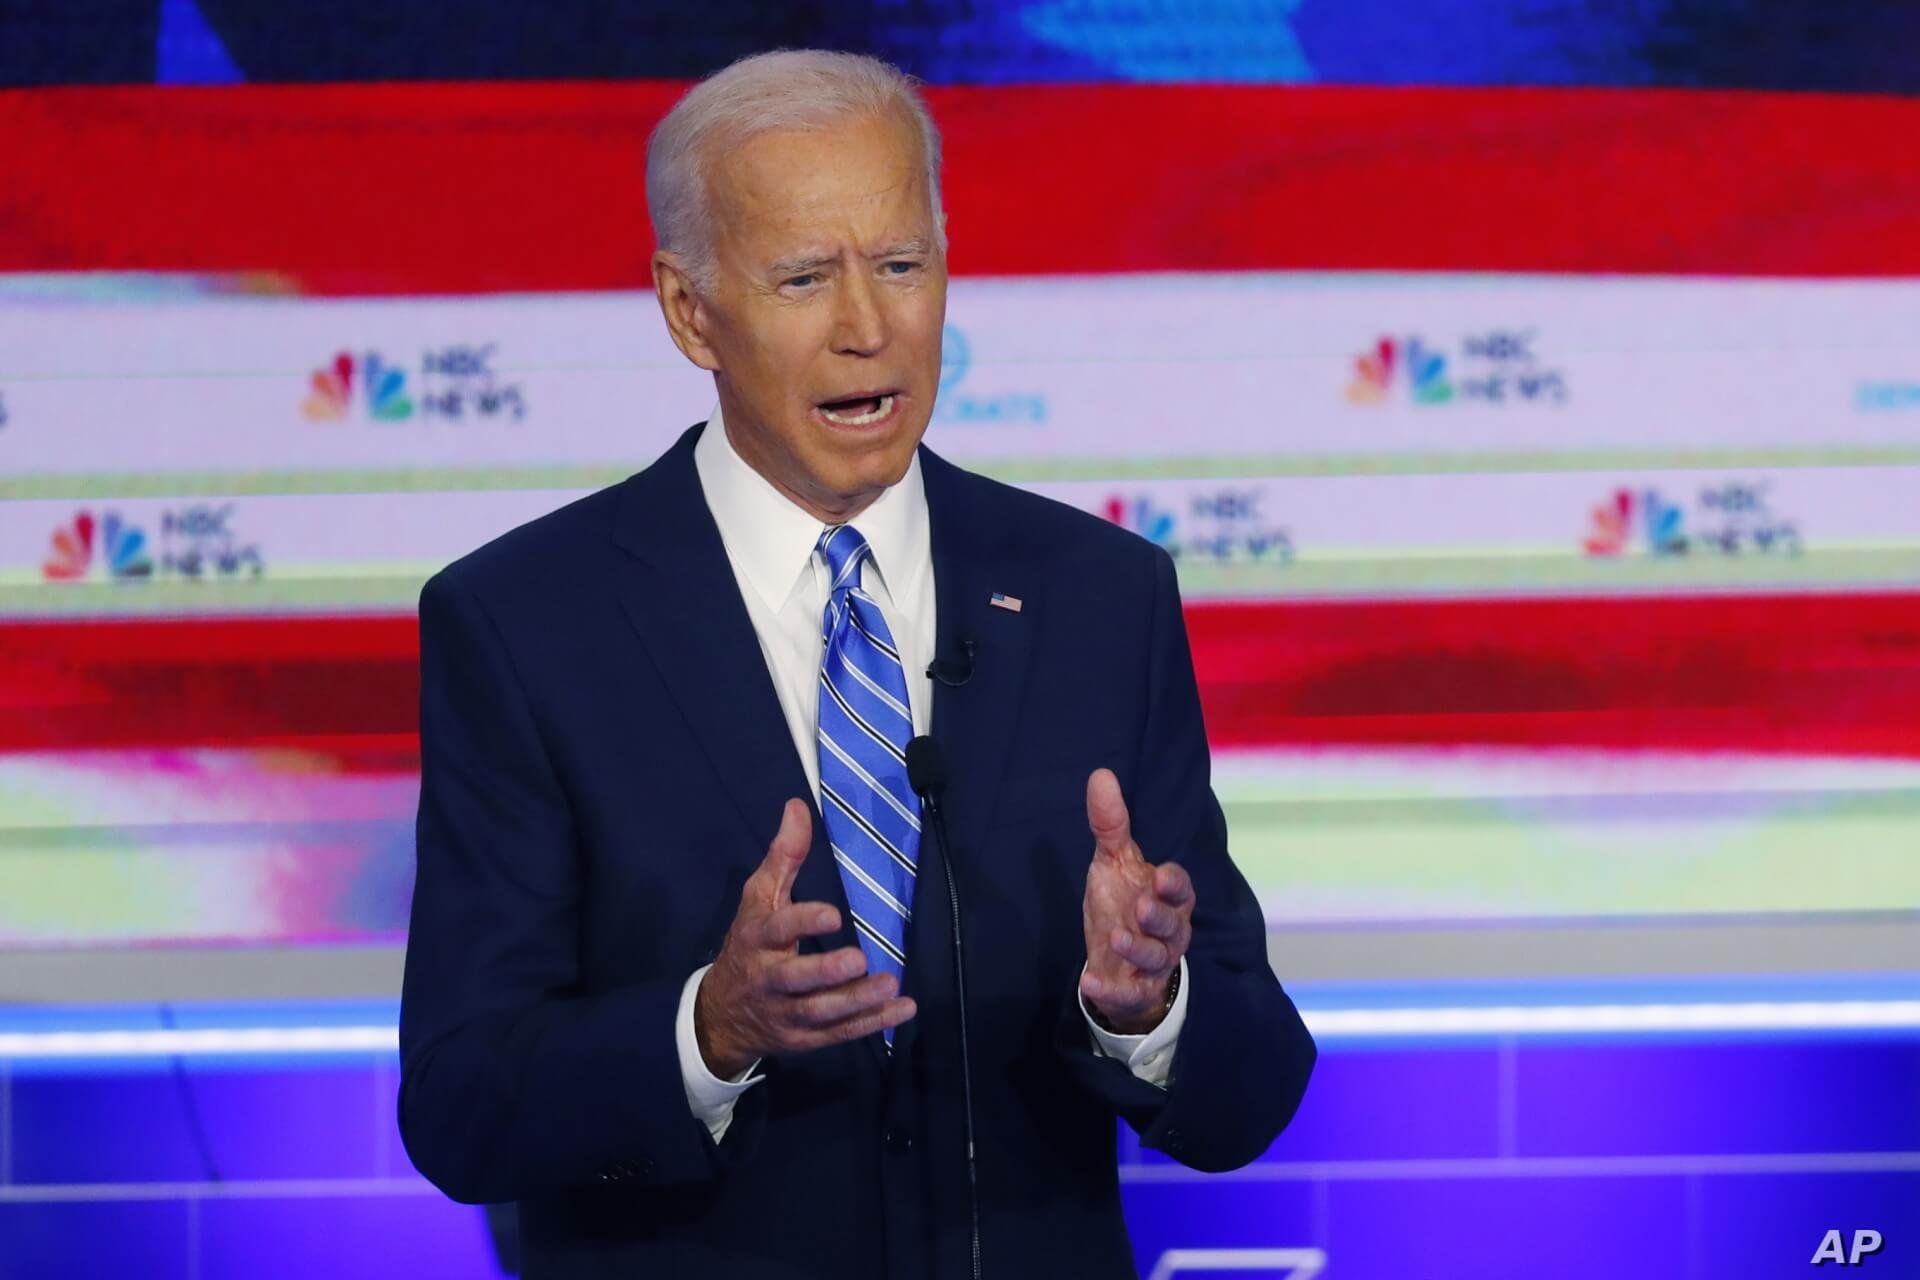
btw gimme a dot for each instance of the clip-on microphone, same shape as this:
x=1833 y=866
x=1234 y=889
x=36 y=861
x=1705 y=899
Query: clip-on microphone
x=952 y=672
x=927 y=775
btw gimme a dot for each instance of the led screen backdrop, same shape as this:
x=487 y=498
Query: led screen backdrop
x=1533 y=407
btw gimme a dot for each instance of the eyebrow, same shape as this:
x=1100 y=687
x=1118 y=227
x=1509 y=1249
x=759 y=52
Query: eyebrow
x=803 y=264
x=814 y=261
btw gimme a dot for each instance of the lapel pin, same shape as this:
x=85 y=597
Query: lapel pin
x=999 y=601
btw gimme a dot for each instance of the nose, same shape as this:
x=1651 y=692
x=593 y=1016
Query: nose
x=860 y=320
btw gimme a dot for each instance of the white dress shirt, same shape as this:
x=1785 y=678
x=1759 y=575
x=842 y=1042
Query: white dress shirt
x=770 y=544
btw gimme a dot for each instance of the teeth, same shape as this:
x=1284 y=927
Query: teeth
x=860 y=419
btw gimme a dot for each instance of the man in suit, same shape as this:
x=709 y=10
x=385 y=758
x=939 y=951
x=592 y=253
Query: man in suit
x=679 y=979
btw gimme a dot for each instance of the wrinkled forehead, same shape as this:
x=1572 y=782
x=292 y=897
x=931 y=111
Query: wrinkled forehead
x=865 y=175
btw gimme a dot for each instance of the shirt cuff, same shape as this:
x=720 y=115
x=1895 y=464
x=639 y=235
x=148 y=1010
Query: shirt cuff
x=709 y=1097
x=1149 y=1056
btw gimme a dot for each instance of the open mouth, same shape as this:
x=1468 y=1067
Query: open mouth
x=859 y=411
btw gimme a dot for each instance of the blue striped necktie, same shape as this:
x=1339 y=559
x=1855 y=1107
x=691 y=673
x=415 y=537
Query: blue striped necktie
x=872 y=815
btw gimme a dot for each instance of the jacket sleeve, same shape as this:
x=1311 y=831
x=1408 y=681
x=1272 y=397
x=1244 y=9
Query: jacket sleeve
x=1244 y=1055
x=514 y=1080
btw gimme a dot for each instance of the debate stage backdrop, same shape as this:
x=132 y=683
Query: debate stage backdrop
x=1529 y=393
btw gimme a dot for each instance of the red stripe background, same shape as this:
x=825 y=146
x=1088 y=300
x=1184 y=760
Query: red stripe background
x=1818 y=675
x=437 y=188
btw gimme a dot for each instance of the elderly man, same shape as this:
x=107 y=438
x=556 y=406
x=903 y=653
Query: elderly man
x=676 y=983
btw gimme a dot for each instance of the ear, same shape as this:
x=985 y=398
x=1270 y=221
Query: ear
x=684 y=312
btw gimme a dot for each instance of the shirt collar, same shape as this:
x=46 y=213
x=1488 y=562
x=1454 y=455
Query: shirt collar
x=770 y=540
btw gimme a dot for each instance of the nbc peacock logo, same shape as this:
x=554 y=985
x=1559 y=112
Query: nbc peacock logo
x=1423 y=369
x=1647 y=513
x=331 y=389
x=114 y=549
x=1153 y=523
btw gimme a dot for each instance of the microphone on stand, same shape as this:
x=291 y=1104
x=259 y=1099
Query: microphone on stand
x=927 y=775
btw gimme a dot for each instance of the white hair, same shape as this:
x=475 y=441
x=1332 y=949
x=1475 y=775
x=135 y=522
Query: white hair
x=787 y=89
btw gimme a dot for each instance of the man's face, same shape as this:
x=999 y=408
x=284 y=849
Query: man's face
x=823 y=327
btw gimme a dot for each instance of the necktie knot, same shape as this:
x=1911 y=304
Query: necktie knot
x=844 y=551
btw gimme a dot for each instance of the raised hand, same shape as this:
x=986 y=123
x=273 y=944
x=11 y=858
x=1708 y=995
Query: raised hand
x=1138 y=918
x=762 y=997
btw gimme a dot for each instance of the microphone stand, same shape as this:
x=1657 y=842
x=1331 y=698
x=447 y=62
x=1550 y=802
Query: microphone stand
x=927 y=773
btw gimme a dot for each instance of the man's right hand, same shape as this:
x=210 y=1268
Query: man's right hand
x=762 y=997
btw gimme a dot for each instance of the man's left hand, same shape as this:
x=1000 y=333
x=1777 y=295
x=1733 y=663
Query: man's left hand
x=1138 y=918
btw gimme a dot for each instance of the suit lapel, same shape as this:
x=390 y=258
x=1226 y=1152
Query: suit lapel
x=683 y=600
x=975 y=722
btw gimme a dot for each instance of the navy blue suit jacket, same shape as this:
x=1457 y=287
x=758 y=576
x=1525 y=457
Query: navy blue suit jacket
x=604 y=761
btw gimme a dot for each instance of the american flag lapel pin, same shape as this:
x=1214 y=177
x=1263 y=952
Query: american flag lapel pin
x=1001 y=600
